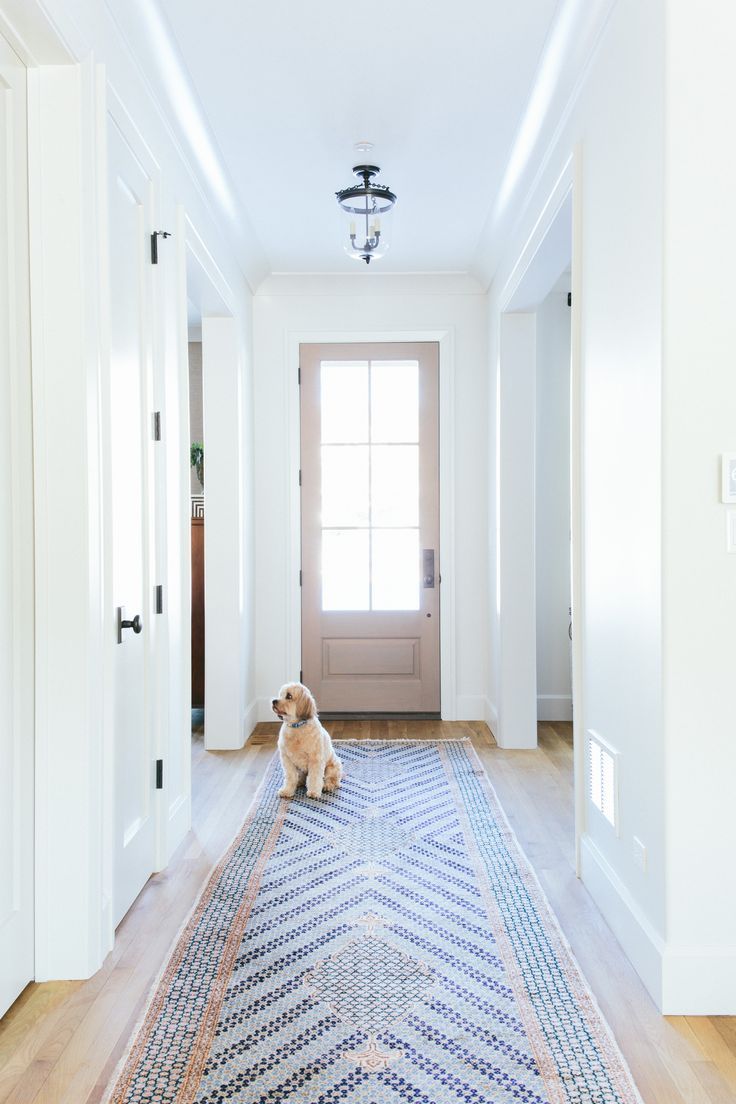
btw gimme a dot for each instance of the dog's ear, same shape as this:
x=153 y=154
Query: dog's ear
x=307 y=705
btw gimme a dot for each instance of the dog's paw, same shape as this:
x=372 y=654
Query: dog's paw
x=285 y=792
x=314 y=793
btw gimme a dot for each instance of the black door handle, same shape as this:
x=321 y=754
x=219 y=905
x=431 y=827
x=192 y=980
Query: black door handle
x=123 y=623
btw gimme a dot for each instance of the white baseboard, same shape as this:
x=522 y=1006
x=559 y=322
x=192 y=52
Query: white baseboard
x=263 y=709
x=554 y=707
x=682 y=980
x=491 y=717
x=641 y=943
x=699 y=981
x=470 y=707
x=253 y=716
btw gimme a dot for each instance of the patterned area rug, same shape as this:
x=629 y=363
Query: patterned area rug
x=387 y=943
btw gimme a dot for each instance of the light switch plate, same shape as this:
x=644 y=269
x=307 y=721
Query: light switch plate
x=728 y=477
x=731 y=530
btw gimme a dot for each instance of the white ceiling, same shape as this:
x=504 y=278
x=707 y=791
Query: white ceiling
x=288 y=87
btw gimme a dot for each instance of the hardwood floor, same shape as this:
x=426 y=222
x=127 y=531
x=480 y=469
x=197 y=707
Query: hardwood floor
x=61 y=1040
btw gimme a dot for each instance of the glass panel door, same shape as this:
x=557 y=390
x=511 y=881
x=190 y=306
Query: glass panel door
x=370 y=519
x=370 y=484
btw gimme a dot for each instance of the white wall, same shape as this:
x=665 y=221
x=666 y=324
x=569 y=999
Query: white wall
x=699 y=399
x=552 y=508
x=361 y=307
x=617 y=120
x=80 y=67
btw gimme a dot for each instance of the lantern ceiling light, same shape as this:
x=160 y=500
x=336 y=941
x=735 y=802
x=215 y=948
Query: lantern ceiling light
x=365 y=204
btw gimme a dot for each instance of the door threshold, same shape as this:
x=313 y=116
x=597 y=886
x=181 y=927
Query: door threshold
x=380 y=716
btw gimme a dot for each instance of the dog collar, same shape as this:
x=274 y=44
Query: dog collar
x=297 y=725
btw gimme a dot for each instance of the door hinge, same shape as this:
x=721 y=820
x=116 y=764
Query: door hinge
x=154 y=243
x=300 y=577
x=158 y=593
x=300 y=477
x=159 y=774
x=299 y=375
x=157 y=425
x=301 y=676
x=569 y=298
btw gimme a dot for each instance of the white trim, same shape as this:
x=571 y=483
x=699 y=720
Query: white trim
x=577 y=476
x=555 y=201
x=73 y=930
x=32 y=34
x=292 y=627
x=554 y=707
x=569 y=182
x=699 y=981
x=470 y=707
x=641 y=943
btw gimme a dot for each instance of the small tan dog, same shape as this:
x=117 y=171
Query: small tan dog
x=304 y=745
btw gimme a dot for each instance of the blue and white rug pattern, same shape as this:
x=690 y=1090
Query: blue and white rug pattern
x=386 y=943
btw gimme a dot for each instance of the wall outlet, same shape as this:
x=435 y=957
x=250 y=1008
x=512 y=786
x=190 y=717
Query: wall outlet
x=640 y=855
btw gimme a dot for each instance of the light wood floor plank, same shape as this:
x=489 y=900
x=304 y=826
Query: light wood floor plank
x=61 y=1041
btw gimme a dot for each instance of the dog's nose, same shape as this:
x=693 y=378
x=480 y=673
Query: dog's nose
x=273 y=702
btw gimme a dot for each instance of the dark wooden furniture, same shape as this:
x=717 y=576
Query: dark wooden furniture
x=198 y=613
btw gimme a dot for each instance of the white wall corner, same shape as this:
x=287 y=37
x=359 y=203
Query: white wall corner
x=251 y=719
x=641 y=943
x=491 y=716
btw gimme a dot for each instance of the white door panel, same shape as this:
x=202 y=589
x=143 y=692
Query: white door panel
x=16 y=545
x=130 y=223
x=370 y=526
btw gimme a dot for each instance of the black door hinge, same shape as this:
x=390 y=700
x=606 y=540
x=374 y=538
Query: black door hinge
x=157 y=425
x=158 y=594
x=300 y=578
x=569 y=298
x=301 y=676
x=300 y=477
x=299 y=375
x=154 y=243
x=159 y=774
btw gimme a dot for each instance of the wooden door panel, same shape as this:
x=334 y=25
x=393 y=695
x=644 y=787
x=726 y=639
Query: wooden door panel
x=370 y=512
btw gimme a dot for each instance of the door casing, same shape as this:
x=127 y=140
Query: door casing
x=416 y=632
x=446 y=340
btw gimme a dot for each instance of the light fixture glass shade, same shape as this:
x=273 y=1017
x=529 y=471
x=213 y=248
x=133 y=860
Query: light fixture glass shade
x=365 y=208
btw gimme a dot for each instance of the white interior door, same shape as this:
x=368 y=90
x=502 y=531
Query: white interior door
x=16 y=544
x=130 y=225
x=370 y=526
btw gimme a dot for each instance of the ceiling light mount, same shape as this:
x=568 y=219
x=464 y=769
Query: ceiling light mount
x=365 y=204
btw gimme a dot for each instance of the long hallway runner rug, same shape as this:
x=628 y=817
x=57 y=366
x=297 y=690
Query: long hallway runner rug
x=387 y=943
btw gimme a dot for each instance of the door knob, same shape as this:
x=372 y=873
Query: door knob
x=123 y=623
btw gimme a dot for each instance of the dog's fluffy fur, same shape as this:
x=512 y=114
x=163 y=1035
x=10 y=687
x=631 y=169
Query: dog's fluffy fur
x=305 y=751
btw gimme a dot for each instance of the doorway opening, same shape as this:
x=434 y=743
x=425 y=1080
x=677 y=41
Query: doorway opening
x=539 y=519
x=552 y=505
x=197 y=513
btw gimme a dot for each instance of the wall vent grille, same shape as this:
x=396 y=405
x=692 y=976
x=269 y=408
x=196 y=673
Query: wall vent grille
x=603 y=778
